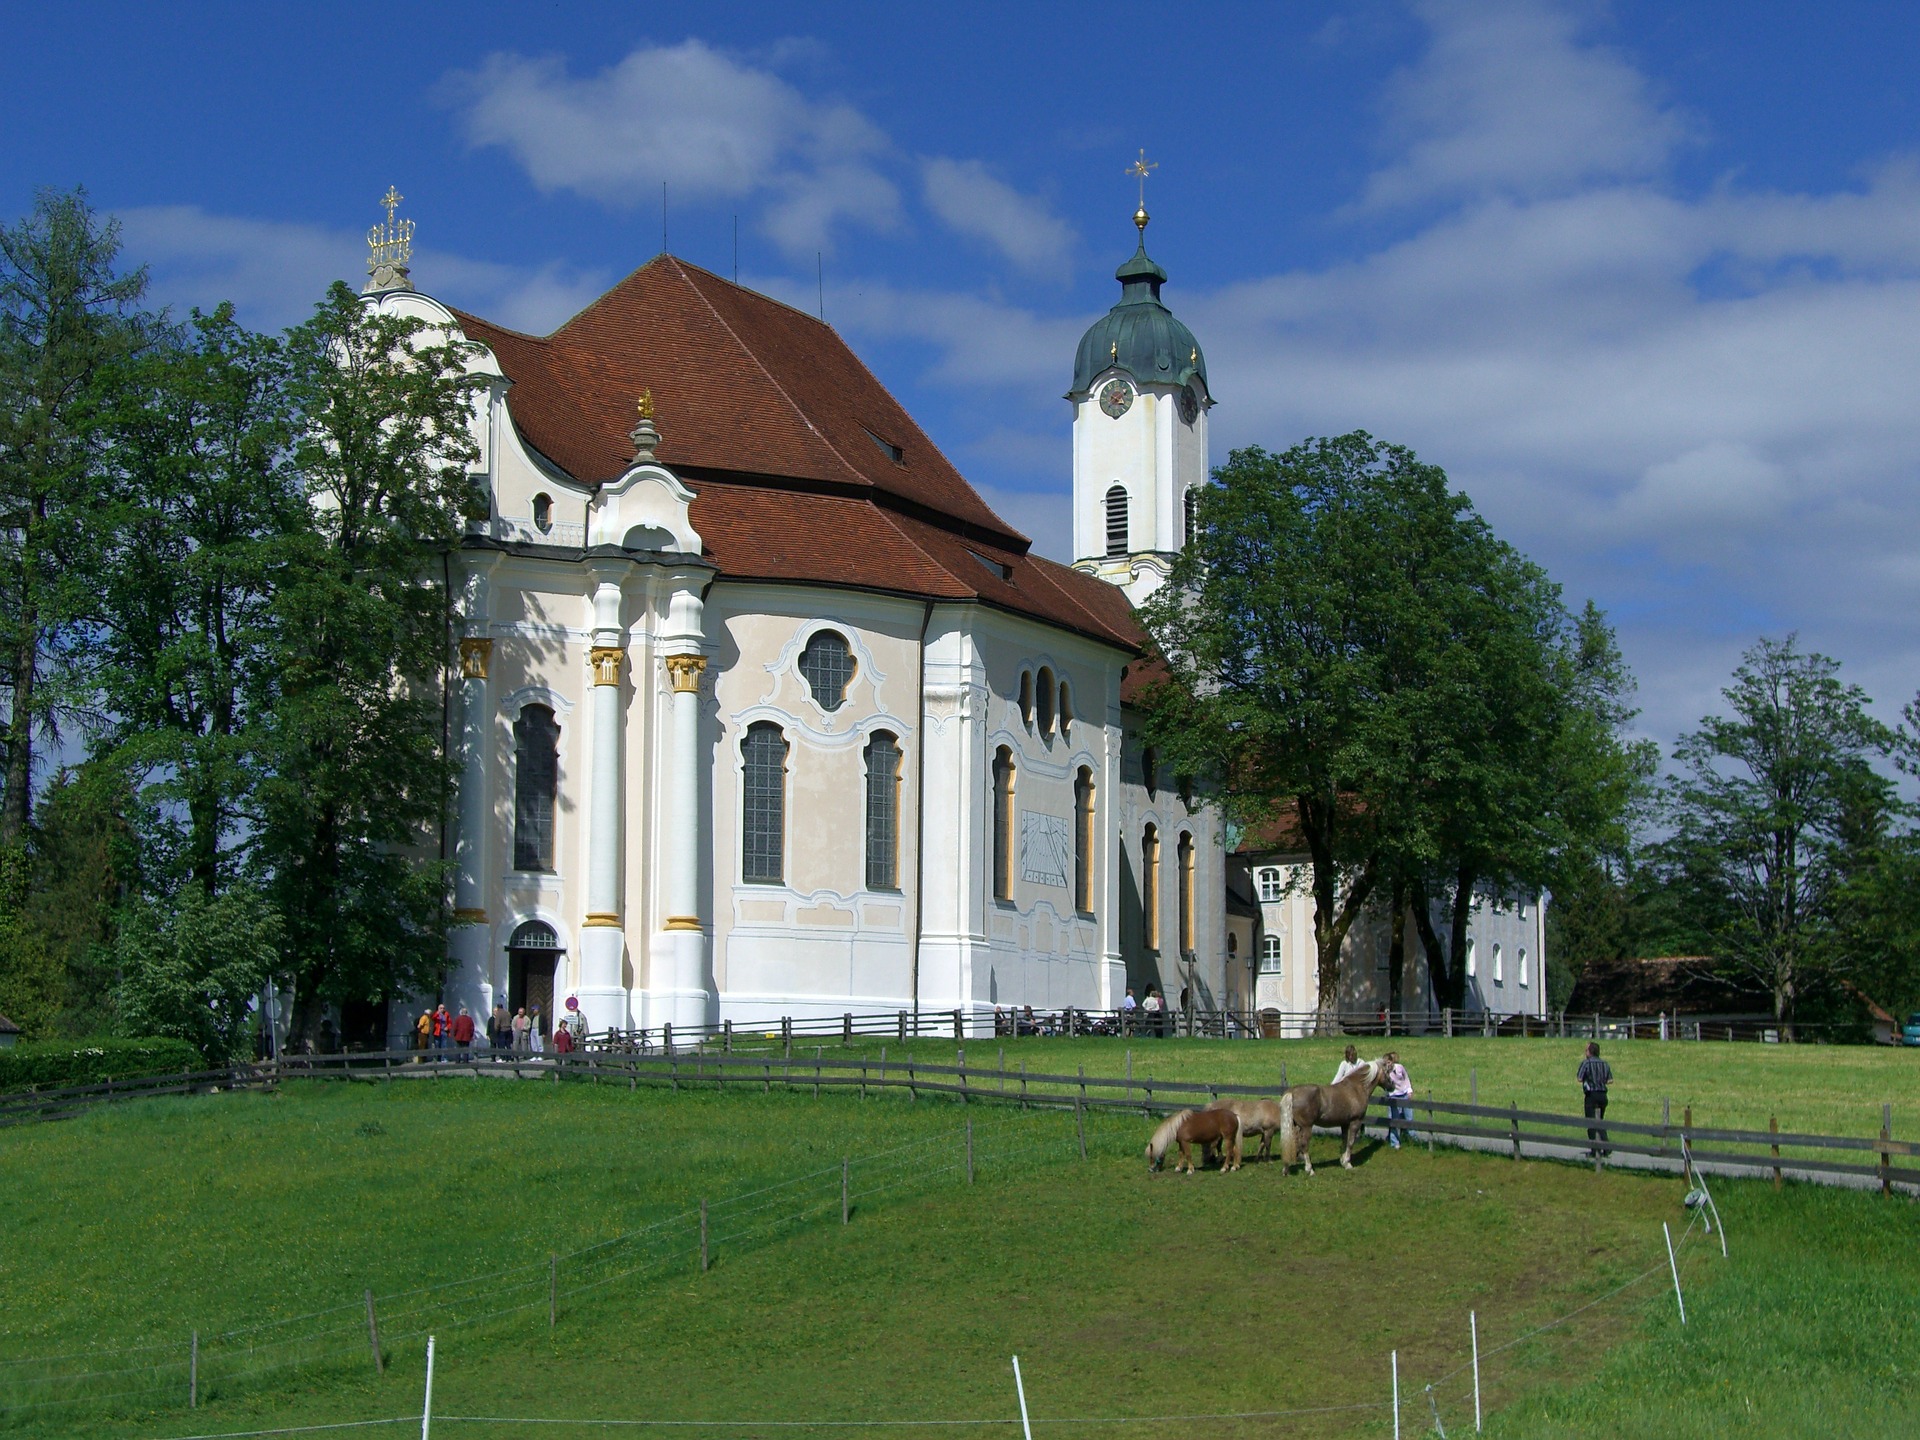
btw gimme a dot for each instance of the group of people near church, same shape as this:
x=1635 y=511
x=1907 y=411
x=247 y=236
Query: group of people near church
x=521 y=1033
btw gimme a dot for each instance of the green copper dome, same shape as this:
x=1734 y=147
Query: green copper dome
x=1139 y=335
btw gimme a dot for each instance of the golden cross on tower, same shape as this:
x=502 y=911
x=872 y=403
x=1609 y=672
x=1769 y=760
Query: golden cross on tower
x=393 y=198
x=1142 y=168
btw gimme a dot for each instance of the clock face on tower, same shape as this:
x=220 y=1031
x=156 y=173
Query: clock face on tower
x=1116 y=396
x=1189 y=404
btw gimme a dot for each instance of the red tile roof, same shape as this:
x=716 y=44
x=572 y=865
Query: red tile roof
x=788 y=442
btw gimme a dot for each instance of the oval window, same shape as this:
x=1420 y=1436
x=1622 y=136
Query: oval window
x=827 y=664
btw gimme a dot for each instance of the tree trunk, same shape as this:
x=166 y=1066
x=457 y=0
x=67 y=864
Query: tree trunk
x=1397 y=951
x=1463 y=882
x=1440 y=973
x=16 y=809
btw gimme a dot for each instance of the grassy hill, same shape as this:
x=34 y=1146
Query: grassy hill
x=261 y=1220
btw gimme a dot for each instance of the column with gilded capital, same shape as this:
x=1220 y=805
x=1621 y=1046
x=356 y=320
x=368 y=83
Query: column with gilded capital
x=470 y=982
x=681 y=983
x=603 y=937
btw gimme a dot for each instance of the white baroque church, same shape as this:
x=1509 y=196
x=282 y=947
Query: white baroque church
x=763 y=710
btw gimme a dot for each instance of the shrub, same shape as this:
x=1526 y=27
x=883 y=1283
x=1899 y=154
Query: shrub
x=50 y=1065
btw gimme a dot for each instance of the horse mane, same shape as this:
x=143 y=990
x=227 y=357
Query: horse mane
x=1163 y=1137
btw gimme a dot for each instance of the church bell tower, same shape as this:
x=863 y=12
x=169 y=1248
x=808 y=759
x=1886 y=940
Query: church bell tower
x=1140 y=402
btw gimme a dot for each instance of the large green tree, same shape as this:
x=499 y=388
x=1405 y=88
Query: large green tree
x=1775 y=805
x=359 y=777
x=192 y=537
x=67 y=315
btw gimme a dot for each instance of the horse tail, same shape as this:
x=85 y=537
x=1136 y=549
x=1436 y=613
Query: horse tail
x=1163 y=1137
x=1289 y=1139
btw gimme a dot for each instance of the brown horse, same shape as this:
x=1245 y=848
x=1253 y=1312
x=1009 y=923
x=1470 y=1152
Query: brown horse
x=1257 y=1117
x=1205 y=1128
x=1342 y=1106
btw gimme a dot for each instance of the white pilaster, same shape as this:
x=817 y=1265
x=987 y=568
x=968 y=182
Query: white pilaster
x=603 y=936
x=470 y=981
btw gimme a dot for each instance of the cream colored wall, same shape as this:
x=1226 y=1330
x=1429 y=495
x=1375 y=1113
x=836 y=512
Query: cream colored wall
x=821 y=939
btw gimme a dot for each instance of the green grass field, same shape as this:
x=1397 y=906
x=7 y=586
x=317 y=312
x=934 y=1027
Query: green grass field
x=1125 y=1295
x=1825 y=1089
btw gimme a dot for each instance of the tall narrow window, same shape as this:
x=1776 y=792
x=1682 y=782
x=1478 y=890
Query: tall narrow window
x=1523 y=969
x=536 y=773
x=1003 y=824
x=1498 y=978
x=827 y=664
x=1150 y=886
x=1083 y=841
x=1117 y=520
x=1473 y=961
x=1272 y=887
x=1066 y=712
x=1185 y=852
x=883 y=812
x=1149 y=769
x=1270 y=955
x=1192 y=509
x=1043 y=698
x=763 y=805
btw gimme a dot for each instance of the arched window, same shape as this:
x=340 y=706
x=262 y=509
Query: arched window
x=1272 y=886
x=1150 y=886
x=1149 y=769
x=536 y=774
x=1522 y=957
x=763 y=804
x=1083 y=841
x=534 y=935
x=543 y=513
x=1003 y=824
x=883 y=812
x=1185 y=853
x=1498 y=979
x=1191 y=507
x=1043 y=698
x=1066 y=712
x=1117 y=520
x=1473 y=961
x=1270 y=955
x=827 y=663
x=1026 y=698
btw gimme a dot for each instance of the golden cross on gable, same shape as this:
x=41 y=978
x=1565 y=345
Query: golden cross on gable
x=393 y=198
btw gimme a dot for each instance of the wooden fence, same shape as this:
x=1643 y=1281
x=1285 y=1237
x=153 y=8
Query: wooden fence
x=1676 y=1148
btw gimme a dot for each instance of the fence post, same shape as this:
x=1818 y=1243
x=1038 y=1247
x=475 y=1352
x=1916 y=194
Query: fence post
x=373 y=1338
x=957 y=1036
x=1080 y=1122
x=786 y=1034
x=193 y=1373
x=846 y=1027
x=1886 y=1148
x=666 y=1039
x=1674 y=1266
x=726 y=1037
x=912 y=1092
x=903 y=1027
x=960 y=1064
x=1686 y=1144
x=1083 y=1089
x=1023 y=1084
x=843 y=1189
x=703 y=1235
x=1473 y=1329
x=969 y=1151
x=1773 y=1124
x=1514 y=1107
x=1446 y=1021
x=553 y=1287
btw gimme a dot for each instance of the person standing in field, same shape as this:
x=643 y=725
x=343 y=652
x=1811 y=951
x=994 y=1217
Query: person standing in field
x=1349 y=1064
x=520 y=1031
x=463 y=1031
x=1399 y=1101
x=423 y=1030
x=536 y=1033
x=1595 y=1075
x=563 y=1040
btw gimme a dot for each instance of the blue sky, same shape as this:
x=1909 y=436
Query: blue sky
x=1644 y=278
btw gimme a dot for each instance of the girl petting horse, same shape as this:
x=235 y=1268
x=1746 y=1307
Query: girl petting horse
x=1205 y=1128
x=1342 y=1106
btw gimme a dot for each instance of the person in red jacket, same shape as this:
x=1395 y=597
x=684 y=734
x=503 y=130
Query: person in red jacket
x=563 y=1040
x=463 y=1030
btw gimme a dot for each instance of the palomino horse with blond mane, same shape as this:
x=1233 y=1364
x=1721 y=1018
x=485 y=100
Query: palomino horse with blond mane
x=1342 y=1106
x=1257 y=1117
x=1205 y=1128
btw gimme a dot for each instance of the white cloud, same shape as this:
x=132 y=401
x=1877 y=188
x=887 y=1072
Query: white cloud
x=975 y=203
x=275 y=271
x=698 y=119
x=1506 y=101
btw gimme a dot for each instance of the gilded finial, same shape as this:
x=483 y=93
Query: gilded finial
x=1141 y=168
x=645 y=434
x=1113 y=349
x=645 y=405
x=389 y=248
